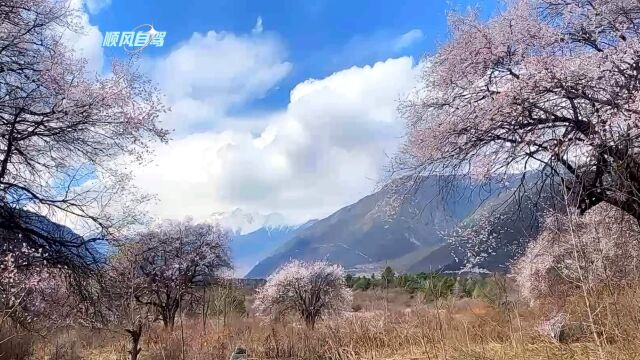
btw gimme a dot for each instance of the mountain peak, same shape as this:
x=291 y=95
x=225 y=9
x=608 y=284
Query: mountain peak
x=242 y=222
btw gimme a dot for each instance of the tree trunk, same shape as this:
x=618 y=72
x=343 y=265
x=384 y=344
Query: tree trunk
x=310 y=322
x=135 y=333
x=169 y=323
x=169 y=316
x=620 y=190
x=205 y=309
x=181 y=333
x=165 y=319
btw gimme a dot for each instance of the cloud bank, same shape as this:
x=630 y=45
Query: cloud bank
x=208 y=75
x=325 y=150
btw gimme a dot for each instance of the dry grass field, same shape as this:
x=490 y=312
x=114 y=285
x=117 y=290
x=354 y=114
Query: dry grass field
x=386 y=326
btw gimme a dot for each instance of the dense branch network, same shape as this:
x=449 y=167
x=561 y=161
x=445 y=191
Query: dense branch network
x=546 y=83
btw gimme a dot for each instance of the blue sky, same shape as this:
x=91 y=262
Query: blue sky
x=321 y=36
x=296 y=116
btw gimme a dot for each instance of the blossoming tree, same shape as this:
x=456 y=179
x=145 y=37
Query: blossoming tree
x=119 y=310
x=171 y=260
x=544 y=82
x=310 y=290
x=600 y=248
x=62 y=130
x=28 y=297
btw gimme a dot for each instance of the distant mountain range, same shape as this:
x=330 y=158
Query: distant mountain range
x=248 y=249
x=408 y=232
x=253 y=235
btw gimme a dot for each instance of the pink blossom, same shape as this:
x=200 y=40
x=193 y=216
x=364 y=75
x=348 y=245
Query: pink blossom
x=309 y=290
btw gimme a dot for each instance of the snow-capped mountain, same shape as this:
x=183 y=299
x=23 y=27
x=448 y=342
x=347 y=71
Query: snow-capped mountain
x=240 y=222
x=254 y=235
x=248 y=249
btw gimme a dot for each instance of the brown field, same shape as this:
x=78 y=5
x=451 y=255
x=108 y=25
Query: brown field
x=388 y=326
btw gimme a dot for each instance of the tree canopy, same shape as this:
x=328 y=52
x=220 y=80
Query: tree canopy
x=545 y=83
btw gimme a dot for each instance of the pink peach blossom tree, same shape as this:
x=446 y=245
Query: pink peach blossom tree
x=66 y=136
x=309 y=290
x=544 y=84
x=598 y=249
x=167 y=263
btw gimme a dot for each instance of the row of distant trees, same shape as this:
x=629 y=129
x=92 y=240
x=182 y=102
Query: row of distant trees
x=431 y=286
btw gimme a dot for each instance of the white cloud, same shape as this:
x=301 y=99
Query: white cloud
x=95 y=6
x=324 y=151
x=88 y=42
x=210 y=73
x=257 y=29
x=363 y=49
x=407 y=39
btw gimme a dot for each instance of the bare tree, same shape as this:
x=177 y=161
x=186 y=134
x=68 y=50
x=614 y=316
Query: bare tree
x=172 y=260
x=310 y=290
x=544 y=82
x=223 y=300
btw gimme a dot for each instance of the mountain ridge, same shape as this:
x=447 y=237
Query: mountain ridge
x=366 y=233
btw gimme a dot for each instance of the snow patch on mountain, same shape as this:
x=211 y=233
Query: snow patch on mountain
x=240 y=222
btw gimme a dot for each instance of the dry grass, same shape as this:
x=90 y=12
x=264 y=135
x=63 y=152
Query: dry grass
x=461 y=329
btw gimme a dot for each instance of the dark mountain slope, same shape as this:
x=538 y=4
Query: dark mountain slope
x=509 y=221
x=382 y=226
x=48 y=241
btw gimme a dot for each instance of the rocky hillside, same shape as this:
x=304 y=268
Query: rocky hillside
x=385 y=227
